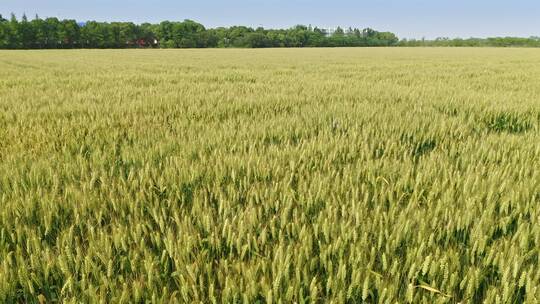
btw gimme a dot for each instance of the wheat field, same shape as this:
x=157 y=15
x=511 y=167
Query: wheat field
x=367 y=175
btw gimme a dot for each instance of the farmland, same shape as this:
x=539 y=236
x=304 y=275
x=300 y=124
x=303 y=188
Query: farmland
x=270 y=176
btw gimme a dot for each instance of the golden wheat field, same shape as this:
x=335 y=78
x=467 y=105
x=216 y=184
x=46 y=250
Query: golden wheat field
x=385 y=175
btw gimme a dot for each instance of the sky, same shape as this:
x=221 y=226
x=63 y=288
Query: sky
x=406 y=18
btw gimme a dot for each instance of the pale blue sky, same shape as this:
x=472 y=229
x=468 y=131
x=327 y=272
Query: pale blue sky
x=407 y=18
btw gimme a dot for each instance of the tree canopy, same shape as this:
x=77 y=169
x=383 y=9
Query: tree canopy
x=54 y=33
x=478 y=42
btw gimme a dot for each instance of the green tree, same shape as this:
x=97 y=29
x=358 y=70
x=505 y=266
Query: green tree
x=14 y=40
x=26 y=32
x=186 y=34
x=4 y=33
x=52 y=30
x=298 y=36
x=123 y=34
x=92 y=35
x=206 y=39
x=69 y=33
x=256 y=40
x=147 y=34
x=386 y=38
x=368 y=32
x=338 y=32
x=40 y=32
x=236 y=35
x=54 y=33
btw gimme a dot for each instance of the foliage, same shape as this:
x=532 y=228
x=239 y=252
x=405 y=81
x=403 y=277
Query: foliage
x=52 y=33
x=475 y=42
x=270 y=176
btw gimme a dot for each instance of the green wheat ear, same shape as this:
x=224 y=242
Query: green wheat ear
x=256 y=176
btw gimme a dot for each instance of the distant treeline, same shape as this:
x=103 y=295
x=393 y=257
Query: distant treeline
x=52 y=33
x=492 y=42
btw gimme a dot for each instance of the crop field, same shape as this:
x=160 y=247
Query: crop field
x=384 y=175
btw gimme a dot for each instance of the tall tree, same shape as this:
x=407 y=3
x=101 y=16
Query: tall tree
x=26 y=31
x=40 y=32
x=339 y=32
x=14 y=38
x=4 y=33
x=69 y=33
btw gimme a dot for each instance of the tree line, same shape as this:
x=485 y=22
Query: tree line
x=55 y=34
x=476 y=42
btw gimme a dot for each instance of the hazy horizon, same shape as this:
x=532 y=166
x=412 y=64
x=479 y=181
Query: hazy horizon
x=408 y=19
